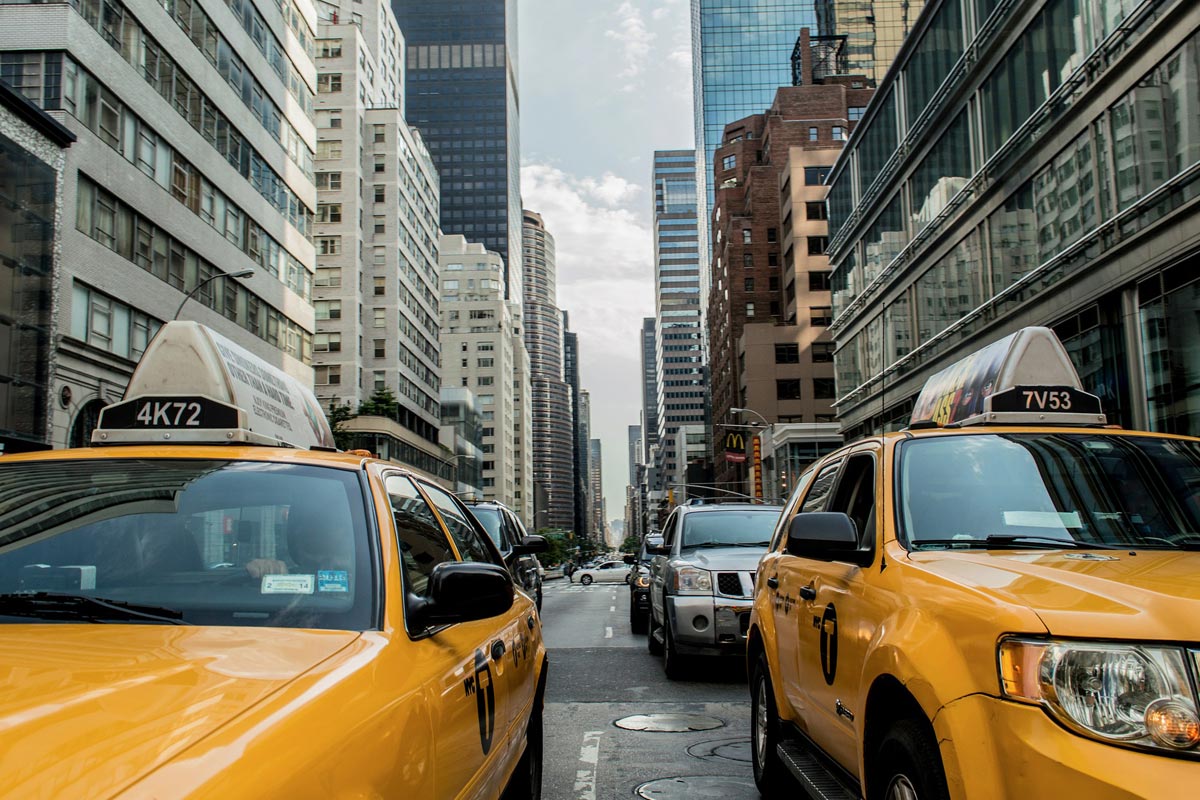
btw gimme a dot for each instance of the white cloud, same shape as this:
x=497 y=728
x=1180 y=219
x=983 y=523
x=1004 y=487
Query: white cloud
x=636 y=41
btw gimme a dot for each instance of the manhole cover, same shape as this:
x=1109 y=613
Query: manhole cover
x=730 y=749
x=669 y=723
x=691 y=788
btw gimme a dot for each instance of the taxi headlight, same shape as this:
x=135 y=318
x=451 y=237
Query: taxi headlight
x=1124 y=693
x=643 y=581
x=692 y=580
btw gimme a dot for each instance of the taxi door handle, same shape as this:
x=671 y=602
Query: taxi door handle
x=497 y=650
x=773 y=582
x=808 y=592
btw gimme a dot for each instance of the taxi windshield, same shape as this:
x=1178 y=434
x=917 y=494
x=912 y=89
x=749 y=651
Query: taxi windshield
x=1071 y=490
x=203 y=542
x=729 y=528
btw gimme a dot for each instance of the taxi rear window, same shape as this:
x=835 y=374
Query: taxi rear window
x=1062 y=489
x=205 y=542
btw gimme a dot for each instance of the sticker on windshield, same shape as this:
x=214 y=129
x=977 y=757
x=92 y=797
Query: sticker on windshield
x=333 y=580
x=287 y=584
x=1043 y=519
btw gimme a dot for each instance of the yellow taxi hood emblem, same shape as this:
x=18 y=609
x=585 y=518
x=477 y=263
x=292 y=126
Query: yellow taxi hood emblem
x=87 y=709
x=1147 y=596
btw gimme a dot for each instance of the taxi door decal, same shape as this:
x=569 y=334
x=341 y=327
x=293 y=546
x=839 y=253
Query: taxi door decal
x=485 y=701
x=829 y=643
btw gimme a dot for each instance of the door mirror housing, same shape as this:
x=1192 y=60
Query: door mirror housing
x=654 y=546
x=531 y=544
x=463 y=592
x=827 y=535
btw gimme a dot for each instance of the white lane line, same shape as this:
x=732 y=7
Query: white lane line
x=612 y=608
x=608 y=633
x=589 y=757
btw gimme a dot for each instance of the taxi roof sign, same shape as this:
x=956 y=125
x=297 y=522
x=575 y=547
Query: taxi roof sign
x=195 y=386
x=1025 y=378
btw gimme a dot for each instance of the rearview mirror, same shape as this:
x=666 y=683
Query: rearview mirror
x=826 y=535
x=464 y=591
x=531 y=544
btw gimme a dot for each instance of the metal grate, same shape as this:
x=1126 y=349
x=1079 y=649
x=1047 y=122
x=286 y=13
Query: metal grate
x=729 y=583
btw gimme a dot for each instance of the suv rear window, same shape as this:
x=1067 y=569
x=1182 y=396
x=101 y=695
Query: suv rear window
x=726 y=528
x=209 y=542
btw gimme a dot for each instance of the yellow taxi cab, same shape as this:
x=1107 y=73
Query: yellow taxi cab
x=212 y=602
x=1002 y=601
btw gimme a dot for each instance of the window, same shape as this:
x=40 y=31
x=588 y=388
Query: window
x=329 y=180
x=822 y=352
x=329 y=212
x=380 y=193
x=328 y=309
x=813 y=134
x=329 y=82
x=746 y=236
x=327 y=342
x=330 y=149
x=749 y=285
x=749 y=309
x=821 y=316
x=485 y=380
x=787 y=389
x=787 y=353
x=817 y=245
x=856 y=113
x=379 y=164
x=815 y=176
x=729 y=162
x=330 y=48
x=380 y=133
x=422 y=544
x=815 y=211
x=823 y=389
x=380 y=285
x=330 y=375
x=839 y=133
x=458 y=522
x=380 y=347
x=329 y=245
x=748 y=260
x=772 y=259
x=772 y=235
x=380 y=225
x=485 y=363
x=379 y=316
x=328 y=276
x=818 y=281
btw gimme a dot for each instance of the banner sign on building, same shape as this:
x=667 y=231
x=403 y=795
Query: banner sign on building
x=735 y=447
x=758 y=470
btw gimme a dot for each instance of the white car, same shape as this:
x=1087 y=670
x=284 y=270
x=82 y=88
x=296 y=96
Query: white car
x=604 y=572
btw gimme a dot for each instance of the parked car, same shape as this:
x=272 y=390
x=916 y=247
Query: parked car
x=518 y=547
x=639 y=584
x=702 y=580
x=605 y=572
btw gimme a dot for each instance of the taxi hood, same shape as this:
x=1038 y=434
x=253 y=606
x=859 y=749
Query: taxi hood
x=1149 y=595
x=86 y=710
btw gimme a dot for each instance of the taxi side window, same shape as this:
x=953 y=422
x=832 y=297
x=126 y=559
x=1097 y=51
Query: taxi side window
x=819 y=493
x=423 y=545
x=789 y=511
x=458 y=522
x=855 y=496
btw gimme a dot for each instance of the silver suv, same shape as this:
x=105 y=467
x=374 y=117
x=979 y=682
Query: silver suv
x=702 y=580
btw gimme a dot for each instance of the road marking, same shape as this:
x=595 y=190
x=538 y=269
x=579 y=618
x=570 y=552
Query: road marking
x=608 y=633
x=612 y=608
x=589 y=755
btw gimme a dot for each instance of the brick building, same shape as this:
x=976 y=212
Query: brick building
x=769 y=300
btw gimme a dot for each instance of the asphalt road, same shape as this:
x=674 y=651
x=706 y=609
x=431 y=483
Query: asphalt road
x=601 y=673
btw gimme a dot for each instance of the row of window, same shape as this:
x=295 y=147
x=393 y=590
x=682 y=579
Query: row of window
x=108 y=324
x=117 y=226
x=260 y=33
x=791 y=388
x=820 y=353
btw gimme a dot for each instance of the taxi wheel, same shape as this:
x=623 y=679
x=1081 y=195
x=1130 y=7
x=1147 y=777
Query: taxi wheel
x=769 y=773
x=586 y=580
x=910 y=765
x=526 y=783
x=672 y=664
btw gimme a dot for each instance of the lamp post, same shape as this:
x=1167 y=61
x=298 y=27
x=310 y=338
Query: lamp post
x=757 y=446
x=241 y=273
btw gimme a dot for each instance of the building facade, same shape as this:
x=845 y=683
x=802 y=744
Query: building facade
x=194 y=161
x=648 y=342
x=461 y=78
x=1051 y=183
x=553 y=442
x=580 y=426
x=599 y=523
x=680 y=370
x=376 y=295
x=870 y=32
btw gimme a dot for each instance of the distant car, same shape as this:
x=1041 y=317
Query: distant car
x=505 y=529
x=639 y=584
x=606 y=572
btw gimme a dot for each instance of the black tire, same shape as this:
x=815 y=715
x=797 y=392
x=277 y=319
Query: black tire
x=652 y=643
x=539 y=599
x=586 y=580
x=637 y=622
x=770 y=776
x=908 y=759
x=672 y=662
x=526 y=782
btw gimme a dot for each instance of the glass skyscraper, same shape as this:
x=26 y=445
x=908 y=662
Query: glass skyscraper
x=461 y=93
x=741 y=54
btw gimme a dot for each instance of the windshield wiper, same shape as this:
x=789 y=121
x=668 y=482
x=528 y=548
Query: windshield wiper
x=84 y=607
x=724 y=544
x=1004 y=541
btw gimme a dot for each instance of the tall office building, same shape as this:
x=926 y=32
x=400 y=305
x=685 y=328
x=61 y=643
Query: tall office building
x=481 y=354
x=194 y=160
x=649 y=355
x=579 y=424
x=681 y=389
x=1053 y=182
x=596 y=483
x=461 y=79
x=553 y=444
x=870 y=32
x=634 y=434
x=376 y=226
x=585 y=501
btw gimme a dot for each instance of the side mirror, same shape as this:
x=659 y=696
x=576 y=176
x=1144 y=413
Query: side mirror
x=531 y=544
x=630 y=560
x=465 y=591
x=825 y=535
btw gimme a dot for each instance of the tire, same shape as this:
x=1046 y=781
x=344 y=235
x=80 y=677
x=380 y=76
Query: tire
x=672 y=662
x=770 y=776
x=586 y=580
x=637 y=622
x=539 y=599
x=908 y=765
x=526 y=782
x=652 y=644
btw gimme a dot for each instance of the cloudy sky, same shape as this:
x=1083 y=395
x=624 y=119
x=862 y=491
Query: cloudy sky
x=604 y=83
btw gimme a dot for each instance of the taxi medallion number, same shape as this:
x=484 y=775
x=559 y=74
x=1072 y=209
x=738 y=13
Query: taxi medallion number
x=170 y=412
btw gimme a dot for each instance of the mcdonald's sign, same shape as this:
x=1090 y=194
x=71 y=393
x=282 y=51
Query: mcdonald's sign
x=735 y=447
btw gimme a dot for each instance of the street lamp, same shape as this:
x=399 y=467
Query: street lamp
x=737 y=410
x=241 y=273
